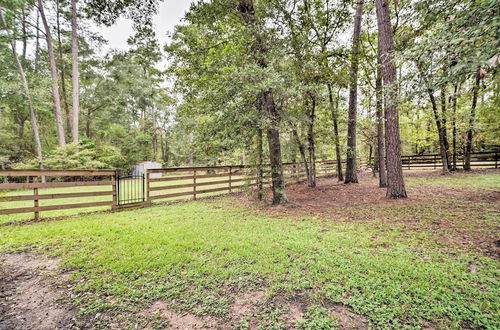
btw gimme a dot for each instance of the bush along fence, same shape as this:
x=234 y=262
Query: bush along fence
x=48 y=191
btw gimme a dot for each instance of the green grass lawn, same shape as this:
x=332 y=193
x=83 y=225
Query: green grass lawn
x=190 y=255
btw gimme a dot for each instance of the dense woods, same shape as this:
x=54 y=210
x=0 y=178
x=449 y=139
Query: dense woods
x=251 y=82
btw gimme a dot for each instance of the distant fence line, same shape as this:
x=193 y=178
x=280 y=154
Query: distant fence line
x=106 y=188
x=434 y=161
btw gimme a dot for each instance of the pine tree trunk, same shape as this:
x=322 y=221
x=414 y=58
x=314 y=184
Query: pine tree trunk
x=335 y=116
x=454 y=126
x=25 y=36
x=311 y=182
x=439 y=125
x=351 y=170
x=75 y=72
x=63 y=75
x=472 y=120
x=37 y=42
x=395 y=180
x=53 y=72
x=445 y=129
x=27 y=92
x=247 y=11
x=380 y=127
x=273 y=139
x=260 y=164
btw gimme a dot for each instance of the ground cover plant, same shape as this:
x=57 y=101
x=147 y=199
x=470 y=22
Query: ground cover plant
x=226 y=263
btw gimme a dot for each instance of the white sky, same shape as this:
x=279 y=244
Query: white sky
x=169 y=15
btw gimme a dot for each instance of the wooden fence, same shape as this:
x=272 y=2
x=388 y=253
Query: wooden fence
x=433 y=161
x=28 y=186
x=47 y=190
x=98 y=188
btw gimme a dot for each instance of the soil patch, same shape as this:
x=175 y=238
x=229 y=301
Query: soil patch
x=29 y=298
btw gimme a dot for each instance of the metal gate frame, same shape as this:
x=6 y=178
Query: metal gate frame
x=133 y=188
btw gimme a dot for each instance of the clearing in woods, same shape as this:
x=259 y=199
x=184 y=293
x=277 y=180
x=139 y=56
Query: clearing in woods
x=337 y=256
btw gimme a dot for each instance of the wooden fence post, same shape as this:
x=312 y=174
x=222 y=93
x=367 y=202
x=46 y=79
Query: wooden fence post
x=496 y=159
x=113 y=189
x=148 y=176
x=35 y=200
x=194 y=184
x=230 y=178
x=435 y=161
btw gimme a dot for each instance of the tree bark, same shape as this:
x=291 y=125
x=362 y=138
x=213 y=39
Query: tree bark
x=260 y=163
x=439 y=125
x=335 y=116
x=37 y=42
x=311 y=181
x=454 y=126
x=395 y=180
x=351 y=170
x=25 y=36
x=302 y=151
x=75 y=71
x=63 y=75
x=247 y=11
x=472 y=121
x=22 y=77
x=273 y=139
x=445 y=129
x=382 y=182
x=53 y=72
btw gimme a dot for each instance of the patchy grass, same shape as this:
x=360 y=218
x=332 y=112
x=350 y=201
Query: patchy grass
x=199 y=257
x=459 y=180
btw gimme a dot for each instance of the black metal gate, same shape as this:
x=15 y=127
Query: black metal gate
x=131 y=189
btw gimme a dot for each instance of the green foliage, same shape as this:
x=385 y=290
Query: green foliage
x=85 y=155
x=317 y=317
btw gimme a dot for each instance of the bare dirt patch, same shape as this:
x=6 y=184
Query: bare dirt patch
x=30 y=296
x=177 y=320
x=348 y=319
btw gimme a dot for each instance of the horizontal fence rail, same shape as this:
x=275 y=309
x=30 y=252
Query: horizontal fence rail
x=433 y=161
x=35 y=191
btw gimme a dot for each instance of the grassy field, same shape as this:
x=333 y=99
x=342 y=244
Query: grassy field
x=199 y=257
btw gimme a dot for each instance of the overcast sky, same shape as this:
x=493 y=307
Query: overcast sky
x=170 y=14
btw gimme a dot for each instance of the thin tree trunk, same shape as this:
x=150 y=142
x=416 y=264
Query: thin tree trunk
x=335 y=116
x=247 y=11
x=351 y=170
x=311 y=181
x=454 y=125
x=382 y=182
x=395 y=180
x=37 y=41
x=53 y=72
x=260 y=161
x=445 y=129
x=302 y=151
x=25 y=36
x=75 y=72
x=439 y=125
x=472 y=120
x=62 y=71
x=22 y=77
